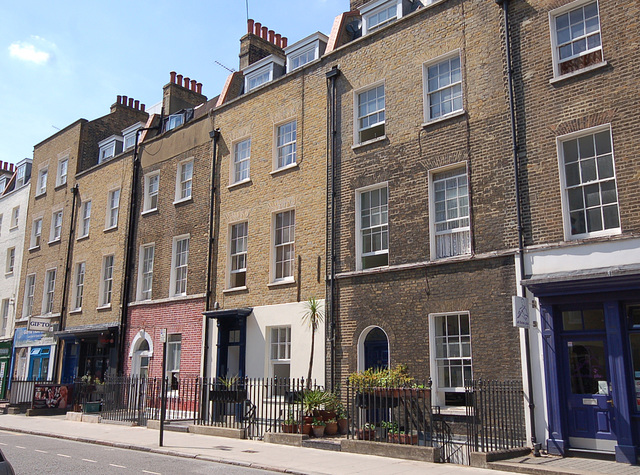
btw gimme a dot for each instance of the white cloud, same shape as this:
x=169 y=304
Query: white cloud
x=28 y=52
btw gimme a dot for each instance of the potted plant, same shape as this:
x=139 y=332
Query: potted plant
x=331 y=427
x=228 y=390
x=318 y=427
x=367 y=432
x=343 y=422
x=313 y=318
x=290 y=425
x=313 y=400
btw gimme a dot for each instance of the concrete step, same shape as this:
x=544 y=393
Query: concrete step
x=323 y=444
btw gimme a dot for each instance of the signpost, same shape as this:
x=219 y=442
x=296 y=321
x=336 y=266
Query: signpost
x=520 y=312
x=163 y=390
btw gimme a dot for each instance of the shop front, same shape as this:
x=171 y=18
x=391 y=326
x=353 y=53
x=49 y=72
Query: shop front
x=88 y=352
x=5 y=364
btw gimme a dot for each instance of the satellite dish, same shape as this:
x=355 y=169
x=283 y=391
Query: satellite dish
x=354 y=29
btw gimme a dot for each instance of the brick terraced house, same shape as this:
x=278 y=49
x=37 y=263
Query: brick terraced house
x=68 y=315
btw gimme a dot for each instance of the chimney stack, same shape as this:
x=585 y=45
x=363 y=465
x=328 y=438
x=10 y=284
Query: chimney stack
x=182 y=92
x=260 y=42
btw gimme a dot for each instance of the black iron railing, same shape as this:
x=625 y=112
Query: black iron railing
x=495 y=415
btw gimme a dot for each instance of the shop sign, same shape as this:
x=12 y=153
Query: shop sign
x=520 y=312
x=23 y=337
x=39 y=324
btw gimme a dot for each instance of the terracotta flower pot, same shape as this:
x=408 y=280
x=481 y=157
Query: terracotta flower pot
x=366 y=434
x=318 y=431
x=331 y=428
x=306 y=429
x=343 y=426
x=290 y=428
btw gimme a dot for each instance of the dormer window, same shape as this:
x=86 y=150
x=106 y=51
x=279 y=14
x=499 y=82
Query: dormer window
x=305 y=51
x=263 y=71
x=380 y=13
x=174 y=121
x=20 y=175
x=109 y=148
x=129 y=135
x=3 y=183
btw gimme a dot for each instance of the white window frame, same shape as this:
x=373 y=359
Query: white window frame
x=78 y=286
x=43 y=176
x=29 y=292
x=109 y=148
x=56 y=229
x=106 y=280
x=238 y=247
x=129 y=136
x=11 y=260
x=553 y=15
x=85 y=220
x=261 y=72
x=174 y=357
x=63 y=169
x=288 y=148
x=357 y=129
x=1 y=216
x=48 y=296
x=592 y=131
x=373 y=9
x=305 y=51
x=4 y=318
x=20 y=175
x=359 y=230
x=36 y=233
x=238 y=160
x=179 y=264
x=113 y=209
x=173 y=121
x=184 y=182
x=428 y=92
x=290 y=243
x=439 y=387
x=15 y=218
x=148 y=195
x=281 y=347
x=433 y=222
x=145 y=271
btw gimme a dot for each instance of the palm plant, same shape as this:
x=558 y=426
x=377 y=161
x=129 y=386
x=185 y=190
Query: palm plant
x=313 y=317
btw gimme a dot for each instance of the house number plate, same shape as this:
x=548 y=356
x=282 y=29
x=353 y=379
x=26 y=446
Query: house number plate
x=589 y=402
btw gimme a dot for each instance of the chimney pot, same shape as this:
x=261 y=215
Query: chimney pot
x=131 y=102
x=173 y=76
x=284 y=41
x=278 y=40
x=186 y=82
x=250 y=26
x=11 y=167
x=136 y=104
x=199 y=88
x=271 y=36
x=119 y=99
x=263 y=33
x=179 y=79
x=257 y=27
x=193 y=85
x=142 y=107
x=124 y=100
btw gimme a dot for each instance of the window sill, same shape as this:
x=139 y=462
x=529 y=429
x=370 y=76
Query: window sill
x=13 y=228
x=459 y=257
x=34 y=248
x=279 y=283
x=23 y=319
x=149 y=211
x=183 y=200
x=55 y=241
x=234 y=289
x=369 y=142
x=82 y=238
x=238 y=183
x=75 y=311
x=60 y=186
x=40 y=195
x=572 y=74
x=112 y=228
x=7 y=274
x=104 y=307
x=444 y=118
x=597 y=234
x=284 y=169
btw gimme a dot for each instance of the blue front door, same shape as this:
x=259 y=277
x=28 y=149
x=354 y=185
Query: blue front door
x=586 y=380
x=39 y=363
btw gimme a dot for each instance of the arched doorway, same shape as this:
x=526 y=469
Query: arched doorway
x=373 y=349
x=142 y=351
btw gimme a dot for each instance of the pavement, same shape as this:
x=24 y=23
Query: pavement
x=281 y=458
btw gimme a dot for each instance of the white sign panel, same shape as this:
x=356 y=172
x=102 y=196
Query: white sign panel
x=163 y=335
x=39 y=324
x=520 y=312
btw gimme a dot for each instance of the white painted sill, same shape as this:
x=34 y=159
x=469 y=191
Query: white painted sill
x=573 y=74
x=444 y=118
x=149 y=211
x=284 y=169
x=278 y=283
x=110 y=228
x=234 y=289
x=34 y=248
x=183 y=200
x=55 y=241
x=104 y=307
x=75 y=311
x=369 y=142
x=238 y=183
x=82 y=238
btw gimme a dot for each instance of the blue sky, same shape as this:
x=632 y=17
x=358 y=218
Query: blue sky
x=61 y=61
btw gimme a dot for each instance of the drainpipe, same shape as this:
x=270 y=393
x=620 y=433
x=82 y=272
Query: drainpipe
x=516 y=172
x=130 y=243
x=215 y=136
x=67 y=270
x=332 y=75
